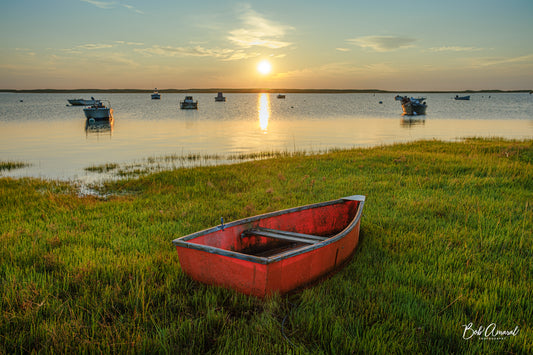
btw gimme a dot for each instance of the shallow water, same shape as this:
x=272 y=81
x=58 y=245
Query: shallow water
x=45 y=132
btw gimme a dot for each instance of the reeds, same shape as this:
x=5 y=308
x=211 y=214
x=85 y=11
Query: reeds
x=10 y=165
x=446 y=240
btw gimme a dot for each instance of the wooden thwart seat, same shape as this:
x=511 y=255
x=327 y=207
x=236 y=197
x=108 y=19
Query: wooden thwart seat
x=284 y=235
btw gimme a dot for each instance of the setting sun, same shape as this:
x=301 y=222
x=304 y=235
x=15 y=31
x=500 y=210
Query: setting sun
x=264 y=67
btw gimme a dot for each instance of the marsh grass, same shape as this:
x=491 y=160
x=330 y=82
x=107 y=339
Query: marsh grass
x=176 y=161
x=446 y=240
x=11 y=165
x=104 y=168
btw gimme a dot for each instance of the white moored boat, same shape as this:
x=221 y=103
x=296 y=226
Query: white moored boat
x=98 y=111
x=82 y=102
x=189 y=104
x=413 y=106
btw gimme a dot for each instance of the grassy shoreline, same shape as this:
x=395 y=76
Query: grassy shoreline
x=446 y=240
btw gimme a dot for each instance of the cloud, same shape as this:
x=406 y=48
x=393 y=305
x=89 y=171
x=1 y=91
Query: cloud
x=383 y=43
x=258 y=31
x=129 y=7
x=342 y=49
x=91 y=46
x=130 y=43
x=101 y=4
x=454 y=49
x=196 y=51
x=485 y=62
x=111 y=5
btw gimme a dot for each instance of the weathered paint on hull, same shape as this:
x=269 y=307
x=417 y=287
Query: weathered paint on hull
x=217 y=257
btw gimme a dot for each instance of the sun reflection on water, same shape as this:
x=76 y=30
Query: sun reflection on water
x=263 y=110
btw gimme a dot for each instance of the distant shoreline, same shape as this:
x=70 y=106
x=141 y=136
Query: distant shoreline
x=252 y=91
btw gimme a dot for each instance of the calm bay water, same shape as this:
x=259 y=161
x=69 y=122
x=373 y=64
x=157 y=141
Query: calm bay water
x=51 y=136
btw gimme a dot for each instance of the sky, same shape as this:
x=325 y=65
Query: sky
x=415 y=45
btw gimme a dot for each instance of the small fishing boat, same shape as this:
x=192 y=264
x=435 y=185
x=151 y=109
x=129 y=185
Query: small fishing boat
x=156 y=95
x=457 y=97
x=98 y=111
x=276 y=252
x=399 y=98
x=220 y=97
x=281 y=96
x=189 y=104
x=413 y=107
x=82 y=102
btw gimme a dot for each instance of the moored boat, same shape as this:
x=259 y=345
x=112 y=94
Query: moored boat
x=281 y=96
x=220 y=97
x=275 y=252
x=98 y=111
x=413 y=107
x=399 y=98
x=82 y=102
x=457 y=97
x=189 y=103
x=156 y=95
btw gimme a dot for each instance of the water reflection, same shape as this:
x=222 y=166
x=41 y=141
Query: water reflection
x=99 y=126
x=413 y=121
x=263 y=110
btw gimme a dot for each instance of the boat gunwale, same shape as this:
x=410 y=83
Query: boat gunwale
x=184 y=241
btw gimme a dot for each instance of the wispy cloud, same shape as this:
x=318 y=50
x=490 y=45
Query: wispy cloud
x=112 y=5
x=337 y=69
x=455 y=49
x=130 y=43
x=196 y=51
x=129 y=7
x=101 y=4
x=485 y=62
x=259 y=31
x=342 y=49
x=92 y=46
x=383 y=43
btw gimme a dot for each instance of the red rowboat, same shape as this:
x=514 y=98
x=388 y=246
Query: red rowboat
x=274 y=252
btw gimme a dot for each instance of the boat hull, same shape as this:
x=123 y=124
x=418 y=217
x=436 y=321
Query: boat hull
x=98 y=113
x=81 y=102
x=413 y=109
x=242 y=256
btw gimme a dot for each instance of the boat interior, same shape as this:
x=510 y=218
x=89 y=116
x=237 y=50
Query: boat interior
x=271 y=235
x=277 y=241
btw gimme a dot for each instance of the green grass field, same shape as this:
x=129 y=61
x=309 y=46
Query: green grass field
x=446 y=248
